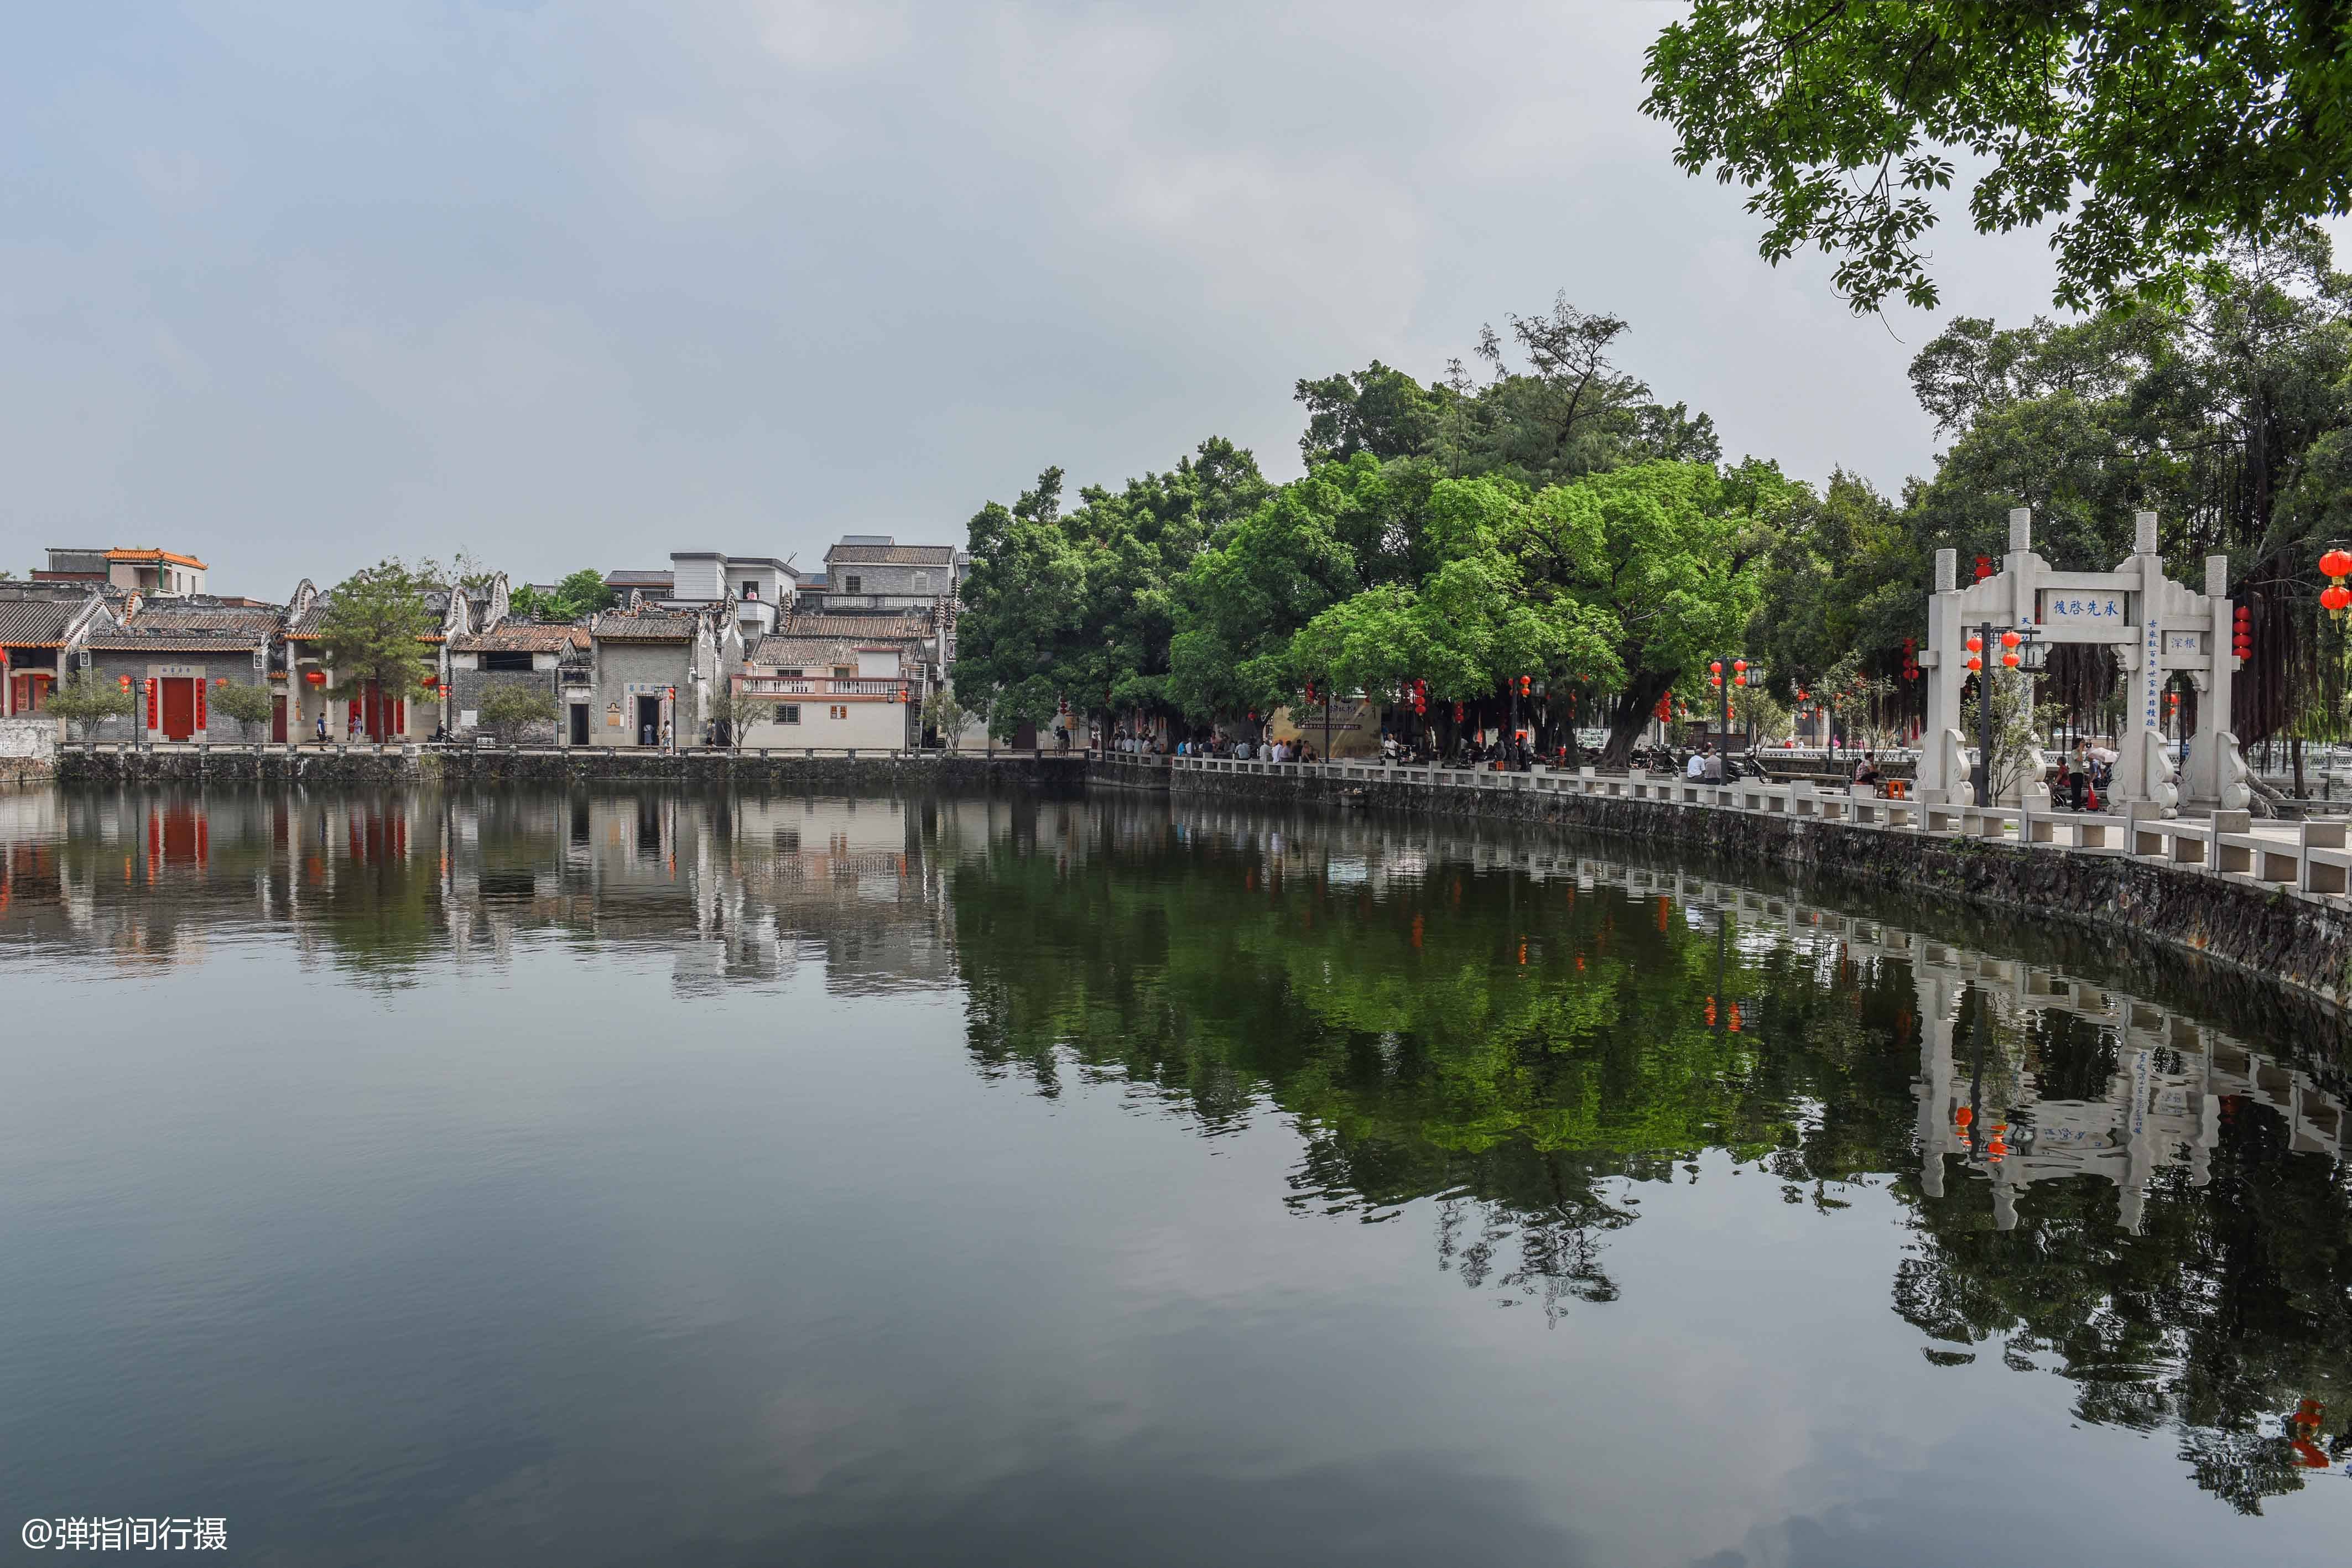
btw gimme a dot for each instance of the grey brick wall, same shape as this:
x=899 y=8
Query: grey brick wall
x=108 y=664
x=466 y=686
x=621 y=669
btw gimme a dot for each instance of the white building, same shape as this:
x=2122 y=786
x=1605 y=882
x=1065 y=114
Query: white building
x=836 y=682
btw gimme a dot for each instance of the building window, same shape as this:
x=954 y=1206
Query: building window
x=922 y=583
x=788 y=712
x=840 y=710
x=506 y=661
x=750 y=590
x=853 y=585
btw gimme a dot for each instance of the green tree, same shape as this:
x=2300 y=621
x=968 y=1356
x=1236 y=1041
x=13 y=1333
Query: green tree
x=1664 y=556
x=1082 y=604
x=1479 y=617
x=82 y=699
x=1316 y=542
x=1569 y=412
x=2178 y=128
x=374 y=629
x=578 y=596
x=1021 y=607
x=248 y=706
x=507 y=708
x=1377 y=410
x=944 y=714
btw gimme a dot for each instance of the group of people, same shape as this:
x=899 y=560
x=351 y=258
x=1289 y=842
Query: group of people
x=1472 y=750
x=1245 y=750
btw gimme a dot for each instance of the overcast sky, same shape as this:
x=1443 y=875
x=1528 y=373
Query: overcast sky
x=296 y=286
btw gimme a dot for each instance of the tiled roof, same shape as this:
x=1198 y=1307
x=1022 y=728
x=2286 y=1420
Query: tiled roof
x=889 y=555
x=307 y=623
x=639 y=579
x=896 y=627
x=646 y=627
x=172 y=642
x=803 y=653
x=165 y=616
x=815 y=582
x=150 y=553
x=37 y=622
x=521 y=637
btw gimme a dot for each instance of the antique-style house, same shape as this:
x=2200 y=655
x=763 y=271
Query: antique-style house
x=517 y=653
x=173 y=654
x=39 y=627
x=652 y=673
x=369 y=714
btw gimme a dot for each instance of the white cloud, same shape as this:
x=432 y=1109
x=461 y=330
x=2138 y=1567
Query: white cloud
x=831 y=34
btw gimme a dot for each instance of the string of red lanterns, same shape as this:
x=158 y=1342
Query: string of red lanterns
x=2336 y=566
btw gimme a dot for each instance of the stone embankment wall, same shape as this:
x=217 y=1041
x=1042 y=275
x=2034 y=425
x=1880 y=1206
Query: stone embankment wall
x=880 y=774
x=2270 y=932
x=28 y=751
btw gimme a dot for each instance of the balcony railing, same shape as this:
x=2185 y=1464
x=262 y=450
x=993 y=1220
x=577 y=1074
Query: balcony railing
x=870 y=687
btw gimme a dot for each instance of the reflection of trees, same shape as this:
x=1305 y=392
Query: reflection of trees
x=1518 y=1047
x=1515 y=1046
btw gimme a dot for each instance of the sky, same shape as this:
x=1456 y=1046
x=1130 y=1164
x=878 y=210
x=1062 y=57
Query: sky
x=294 y=287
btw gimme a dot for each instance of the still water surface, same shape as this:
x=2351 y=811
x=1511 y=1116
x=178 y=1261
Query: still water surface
x=672 y=1178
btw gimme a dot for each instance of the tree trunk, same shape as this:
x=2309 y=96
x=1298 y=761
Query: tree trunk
x=1629 y=712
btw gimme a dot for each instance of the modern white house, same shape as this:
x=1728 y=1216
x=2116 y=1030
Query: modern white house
x=839 y=681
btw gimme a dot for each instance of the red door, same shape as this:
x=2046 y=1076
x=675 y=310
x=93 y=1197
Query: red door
x=179 y=707
x=277 y=717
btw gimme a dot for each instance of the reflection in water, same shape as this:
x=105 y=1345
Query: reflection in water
x=1519 y=1044
x=2156 y=1209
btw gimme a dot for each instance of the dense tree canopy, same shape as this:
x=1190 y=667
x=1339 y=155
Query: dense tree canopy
x=2161 y=132
x=374 y=630
x=1082 y=604
x=578 y=596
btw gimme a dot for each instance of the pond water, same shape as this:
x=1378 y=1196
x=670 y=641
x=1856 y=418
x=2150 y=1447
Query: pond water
x=656 y=1177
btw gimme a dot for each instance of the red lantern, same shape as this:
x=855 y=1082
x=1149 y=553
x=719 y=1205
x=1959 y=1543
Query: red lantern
x=1741 y=664
x=1976 y=643
x=1984 y=567
x=2010 y=659
x=1975 y=662
x=316 y=677
x=1714 y=680
x=1525 y=683
x=1714 y=666
x=220 y=681
x=2336 y=563
x=2335 y=598
x=2010 y=639
x=125 y=680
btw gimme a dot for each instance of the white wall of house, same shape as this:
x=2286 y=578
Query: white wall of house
x=828 y=722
